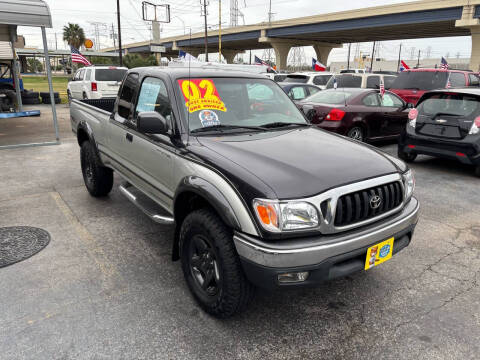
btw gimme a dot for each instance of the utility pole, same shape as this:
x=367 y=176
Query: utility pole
x=373 y=55
x=113 y=37
x=205 y=3
x=119 y=34
x=418 y=59
x=348 y=57
x=399 y=57
x=219 y=31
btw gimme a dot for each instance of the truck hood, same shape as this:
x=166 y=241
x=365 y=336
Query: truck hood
x=293 y=163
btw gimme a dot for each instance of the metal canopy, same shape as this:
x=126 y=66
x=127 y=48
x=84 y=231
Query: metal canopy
x=25 y=13
x=35 y=13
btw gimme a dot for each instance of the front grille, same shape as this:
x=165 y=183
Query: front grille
x=356 y=206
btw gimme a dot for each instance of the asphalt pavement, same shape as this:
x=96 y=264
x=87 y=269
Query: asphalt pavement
x=106 y=288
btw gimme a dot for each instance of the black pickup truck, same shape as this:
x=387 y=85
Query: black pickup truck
x=256 y=194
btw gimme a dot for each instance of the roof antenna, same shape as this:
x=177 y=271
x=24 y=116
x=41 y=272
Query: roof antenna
x=188 y=110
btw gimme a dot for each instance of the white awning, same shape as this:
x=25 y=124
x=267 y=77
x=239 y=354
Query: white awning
x=25 y=13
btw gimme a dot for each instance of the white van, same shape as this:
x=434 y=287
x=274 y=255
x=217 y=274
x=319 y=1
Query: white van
x=96 y=82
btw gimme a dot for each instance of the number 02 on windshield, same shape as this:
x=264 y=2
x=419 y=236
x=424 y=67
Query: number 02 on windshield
x=200 y=94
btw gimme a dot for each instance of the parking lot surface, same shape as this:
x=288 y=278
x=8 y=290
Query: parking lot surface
x=106 y=288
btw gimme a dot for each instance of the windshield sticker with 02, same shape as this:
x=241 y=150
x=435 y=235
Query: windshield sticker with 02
x=208 y=118
x=201 y=94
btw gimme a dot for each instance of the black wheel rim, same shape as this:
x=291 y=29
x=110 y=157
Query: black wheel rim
x=88 y=173
x=204 y=266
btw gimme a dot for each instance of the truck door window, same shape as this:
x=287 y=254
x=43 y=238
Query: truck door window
x=126 y=97
x=457 y=79
x=153 y=96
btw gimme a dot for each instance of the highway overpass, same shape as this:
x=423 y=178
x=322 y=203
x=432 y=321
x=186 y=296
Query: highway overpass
x=412 y=20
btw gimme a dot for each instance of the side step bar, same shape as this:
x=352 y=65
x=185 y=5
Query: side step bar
x=147 y=205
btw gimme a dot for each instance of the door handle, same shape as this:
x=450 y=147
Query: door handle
x=129 y=137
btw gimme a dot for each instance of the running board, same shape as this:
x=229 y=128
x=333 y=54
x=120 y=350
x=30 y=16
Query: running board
x=147 y=205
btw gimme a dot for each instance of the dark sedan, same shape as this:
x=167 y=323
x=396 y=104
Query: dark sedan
x=297 y=91
x=445 y=124
x=361 y=114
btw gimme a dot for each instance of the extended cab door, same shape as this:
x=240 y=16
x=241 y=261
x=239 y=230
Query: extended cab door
x=153 y=154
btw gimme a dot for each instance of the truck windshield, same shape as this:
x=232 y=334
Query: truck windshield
x=233 y=103
x=109 y=74
x=420 y=80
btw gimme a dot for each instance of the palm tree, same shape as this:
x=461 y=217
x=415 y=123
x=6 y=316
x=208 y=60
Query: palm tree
x=74 y=35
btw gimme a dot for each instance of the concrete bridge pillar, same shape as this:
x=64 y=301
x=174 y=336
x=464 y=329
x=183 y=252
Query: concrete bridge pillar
x=229 y=55
x=281 y=54
x=473 y=24
x=323 y=51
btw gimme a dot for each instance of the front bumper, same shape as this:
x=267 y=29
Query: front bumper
x=325 y=257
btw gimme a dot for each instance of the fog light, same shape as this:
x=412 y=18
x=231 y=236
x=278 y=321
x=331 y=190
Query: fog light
x=293 y=277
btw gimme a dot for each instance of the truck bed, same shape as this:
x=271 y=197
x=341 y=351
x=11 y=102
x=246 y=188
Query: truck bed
x=94 y=112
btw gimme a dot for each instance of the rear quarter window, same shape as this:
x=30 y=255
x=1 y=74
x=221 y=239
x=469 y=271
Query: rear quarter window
x=373 y=82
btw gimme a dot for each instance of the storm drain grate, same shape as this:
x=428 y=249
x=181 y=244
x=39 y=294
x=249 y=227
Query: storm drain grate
x=18 y=243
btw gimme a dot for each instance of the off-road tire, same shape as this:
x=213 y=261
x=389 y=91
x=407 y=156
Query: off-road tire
x=98 y=179
x=235 y=291
x=407 y=157
x=31 y=101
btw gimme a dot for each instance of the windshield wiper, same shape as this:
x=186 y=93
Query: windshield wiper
x=224 y=127
x=278 y=124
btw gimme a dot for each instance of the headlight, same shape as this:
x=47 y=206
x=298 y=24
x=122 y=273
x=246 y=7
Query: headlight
x=409 y=183
x=277 y=216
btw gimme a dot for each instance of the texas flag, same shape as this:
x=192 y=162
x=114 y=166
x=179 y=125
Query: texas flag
x=317 y=65
x=404 y=66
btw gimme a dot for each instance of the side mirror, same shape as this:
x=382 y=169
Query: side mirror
x=151 y=122
x=410 y=106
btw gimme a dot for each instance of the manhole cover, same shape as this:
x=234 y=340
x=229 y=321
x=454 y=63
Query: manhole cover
x=18 y=243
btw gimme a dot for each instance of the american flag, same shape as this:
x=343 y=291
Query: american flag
x=259 y=61
x=444 y=64
x=382 y=87
x=77 y=57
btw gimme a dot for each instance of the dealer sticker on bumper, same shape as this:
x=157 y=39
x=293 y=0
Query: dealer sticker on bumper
x=379 y=253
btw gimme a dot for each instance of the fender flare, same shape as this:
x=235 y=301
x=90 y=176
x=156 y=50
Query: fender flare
x=213 y=196
x=83 y=127
x=210 y=193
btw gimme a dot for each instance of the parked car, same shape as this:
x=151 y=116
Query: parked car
x=228 y=160
x=411 y=84
x=298 y=92
x=319 y=79
x=364 y=81
x=96 y=82
x=352 y=71
x=360 y=114
x=445 y=124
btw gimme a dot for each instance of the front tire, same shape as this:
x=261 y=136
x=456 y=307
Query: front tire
x=98 y=179
x=407 y=157
x=211 y=265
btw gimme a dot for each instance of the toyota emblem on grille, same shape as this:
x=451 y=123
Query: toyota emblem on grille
x=375 y=201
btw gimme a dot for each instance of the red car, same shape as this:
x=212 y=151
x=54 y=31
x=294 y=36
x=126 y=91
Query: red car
x=360 y=114
x=411 y=84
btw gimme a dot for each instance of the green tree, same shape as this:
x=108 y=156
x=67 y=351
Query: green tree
x=34 y=65
x=74 y=35
x=135 y=60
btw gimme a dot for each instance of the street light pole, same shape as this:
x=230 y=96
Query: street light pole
x=119 y=34
x=219 y=31
x=206 y=34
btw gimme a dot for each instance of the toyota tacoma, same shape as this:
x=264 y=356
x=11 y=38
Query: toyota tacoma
x=257 y=196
